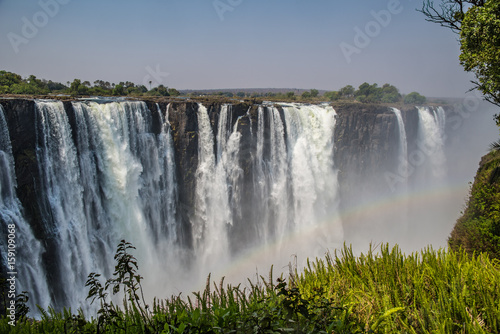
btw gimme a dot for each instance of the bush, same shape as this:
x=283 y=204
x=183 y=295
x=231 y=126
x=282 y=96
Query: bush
x=414 y=98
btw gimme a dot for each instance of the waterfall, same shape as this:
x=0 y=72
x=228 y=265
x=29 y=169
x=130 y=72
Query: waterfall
x=61 y=186
x=430 y=160
x=108 y=172
x=24 y=261
x=402 y=170
x=216 y=187
x=313 y=178
x=117 y=182
x=295 y=181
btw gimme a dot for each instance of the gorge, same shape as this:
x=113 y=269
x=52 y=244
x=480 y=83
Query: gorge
x=221 y=188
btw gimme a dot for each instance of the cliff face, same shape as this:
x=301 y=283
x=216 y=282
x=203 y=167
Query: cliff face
x=365 y=144
x=478 y=229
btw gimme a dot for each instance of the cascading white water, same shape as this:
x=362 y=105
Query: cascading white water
x=167 y=188
x=62 y=190
x=24 y=262
x=402 y=170
x=313 y=178
x=216 y=189
x=120 y=185
x=295 y=181
x=431 y=160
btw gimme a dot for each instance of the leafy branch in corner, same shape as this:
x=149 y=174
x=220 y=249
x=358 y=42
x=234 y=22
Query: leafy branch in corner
x=126 y=276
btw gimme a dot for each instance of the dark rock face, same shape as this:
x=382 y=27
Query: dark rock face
x=366 y=142
x=21 y=119
x=365 y=137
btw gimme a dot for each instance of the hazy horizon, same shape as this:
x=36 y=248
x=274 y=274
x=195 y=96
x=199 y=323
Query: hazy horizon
x=230 y=44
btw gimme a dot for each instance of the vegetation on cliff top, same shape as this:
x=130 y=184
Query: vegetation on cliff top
x=382 y=291
x=11 y=83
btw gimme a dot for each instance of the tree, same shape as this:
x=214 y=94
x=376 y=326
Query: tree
x=77 y=88
x=306 y=95
x=314 y=92
x=480 y=48
x=414 y=98
x=367 y=93
x=347 y=91
x=478 y=23
x=119 y=90
x=9 y=78
x=390 y=94
x=73 y=88
x=449 y=13
x=332 y=96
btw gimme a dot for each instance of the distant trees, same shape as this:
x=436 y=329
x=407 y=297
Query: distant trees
x=78 y=88
x=414 y=98
x=366 y=93
x=12 y=83
x=347 y=91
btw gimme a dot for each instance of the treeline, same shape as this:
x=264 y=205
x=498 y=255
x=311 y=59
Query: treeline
x=365 y=93
x=12 y=83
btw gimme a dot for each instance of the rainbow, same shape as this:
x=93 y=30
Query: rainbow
x=446 y=199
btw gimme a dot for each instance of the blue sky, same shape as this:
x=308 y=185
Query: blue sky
x=196 y=44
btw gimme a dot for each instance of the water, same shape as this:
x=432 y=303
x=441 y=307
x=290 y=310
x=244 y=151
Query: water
x=27 y=268
x=430 y=160
x=402 y=169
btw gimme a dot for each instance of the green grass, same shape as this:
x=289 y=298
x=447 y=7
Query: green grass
x=382 y=291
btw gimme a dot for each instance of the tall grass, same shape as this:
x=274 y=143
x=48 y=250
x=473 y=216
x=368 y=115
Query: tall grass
x=427 y=292
x=382 y=291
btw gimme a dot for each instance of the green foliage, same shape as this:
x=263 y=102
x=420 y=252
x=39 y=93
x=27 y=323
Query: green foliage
x=332 y=96
x=125 y=278
x=478 y=230
x=8 y=79
x=78 y=88
x=381 y=291
x=414 y=98
x=175 y=92
x=347 y=91
x=158 y=91
x=367 y=93
x=480 y=47
x=119 y=90
x=11 y=83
